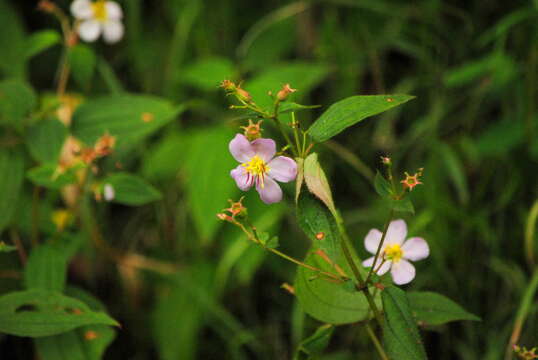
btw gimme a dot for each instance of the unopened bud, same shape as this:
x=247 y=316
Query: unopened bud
x=224 y=217
x=283 y=94
x=228 y=85
x=386 y=160
x=253 y=131
x=242 y=94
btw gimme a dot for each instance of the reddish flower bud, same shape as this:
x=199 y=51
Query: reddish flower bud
x=283 y=94
x=243 y=94
x=386 y=160
x=253 y=131
x=411 y=181
x=228 y=85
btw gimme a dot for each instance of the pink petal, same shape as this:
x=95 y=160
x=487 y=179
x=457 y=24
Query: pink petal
x=271 y=192
x=372 y=239
x=283 y=169
x=242 y=178
x=241 y=148
x=415 y=249
x=402 y=272
x=382 y=270
x=396 y=232
x=264 y=148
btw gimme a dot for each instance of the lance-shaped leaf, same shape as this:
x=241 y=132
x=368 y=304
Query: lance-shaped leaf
x=37 y=313
x=46 y=269
x=350 y=111
x=430 y=308
x=130 y=189
x=316 y=343
x=400 y=333
x=316 y=181
x=11 y=177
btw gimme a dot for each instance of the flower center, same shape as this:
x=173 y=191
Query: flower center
x=99 y=10
x=393 y=252
x=257 y=168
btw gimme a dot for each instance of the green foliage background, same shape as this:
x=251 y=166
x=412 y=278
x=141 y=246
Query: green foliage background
x=473 y=126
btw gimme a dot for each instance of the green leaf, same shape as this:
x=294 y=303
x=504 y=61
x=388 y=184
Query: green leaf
x=326 y=300
x=319 y=297
x=208 y=181
x=85 y=343
x=382 y=186
x=39 y=42
x=350 y=111
x=83 y=61
x=46 y=269
x=6 y=248
x=430 y=308
x=17 y=99
x=207 y=74
x=319 y=225
x=45 y=140
x=11 y=178
x=316 y=181
x=401 y=337
x=131 y=189
x=12 y=41
x=47 y=175
x=163 y=160
x=38 y=313
x=130 y=118
x=403 y=205
x=316 y=343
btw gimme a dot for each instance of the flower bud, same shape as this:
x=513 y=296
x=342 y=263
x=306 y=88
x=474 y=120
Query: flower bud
x=105 y=145
x=237 y=208
x=243 y=94
x=253 y=131
x=386 y=160
x=411 y=181
x=228 y=85
x=283 y=94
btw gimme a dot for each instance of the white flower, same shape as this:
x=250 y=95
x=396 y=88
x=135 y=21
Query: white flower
x=98 y=17
x=395 y=252
x=108 y=192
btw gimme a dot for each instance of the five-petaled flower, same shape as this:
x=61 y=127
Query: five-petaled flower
x=260 y=167
x=98 y=17
x=396 y=252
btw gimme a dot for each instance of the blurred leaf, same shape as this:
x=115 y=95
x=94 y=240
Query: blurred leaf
x=164 y=159
x=209 y=184
x=316 y=181
x=500 y=138
x=38 y=313
x=131 y=189
x=46 y=269
x=316 y=343
x=128 y=117
x=350 y=111
x=40 y=41
x=45 y=140
x=403 y=205
x=47 y=175
x=6 y=248
x=382 y=186
x=401 y=337
x=301 y=76
x=11 y=42
x=300 y=178
x=454 y=169
x=11 y=178
x=85 y=343
x=430 y=308
x=17 y=99
x=82 y=60
x=207 y=74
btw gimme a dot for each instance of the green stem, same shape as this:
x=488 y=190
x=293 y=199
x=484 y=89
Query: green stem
x=377 y=343
x=385 y=229
x=295 y=126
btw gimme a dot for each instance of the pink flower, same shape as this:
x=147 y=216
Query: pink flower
x=395 y=252
x=260 y=167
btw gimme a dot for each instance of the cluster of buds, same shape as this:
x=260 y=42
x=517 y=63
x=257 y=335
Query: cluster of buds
x=253 y=131
x=525 y=354
x=236 y=209
x=283 y=93
x=231 y=88
x=411 y=181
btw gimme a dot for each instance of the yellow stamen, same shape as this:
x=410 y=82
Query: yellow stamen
x=257 y=168
x=394 y=253
x=99 y=10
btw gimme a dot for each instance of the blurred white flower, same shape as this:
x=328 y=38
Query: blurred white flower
x=108 y=192
x=98 y=17
x=396 y=252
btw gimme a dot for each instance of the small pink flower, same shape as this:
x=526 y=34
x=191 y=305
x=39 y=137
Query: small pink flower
x=259 y=167
x=396 y=252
